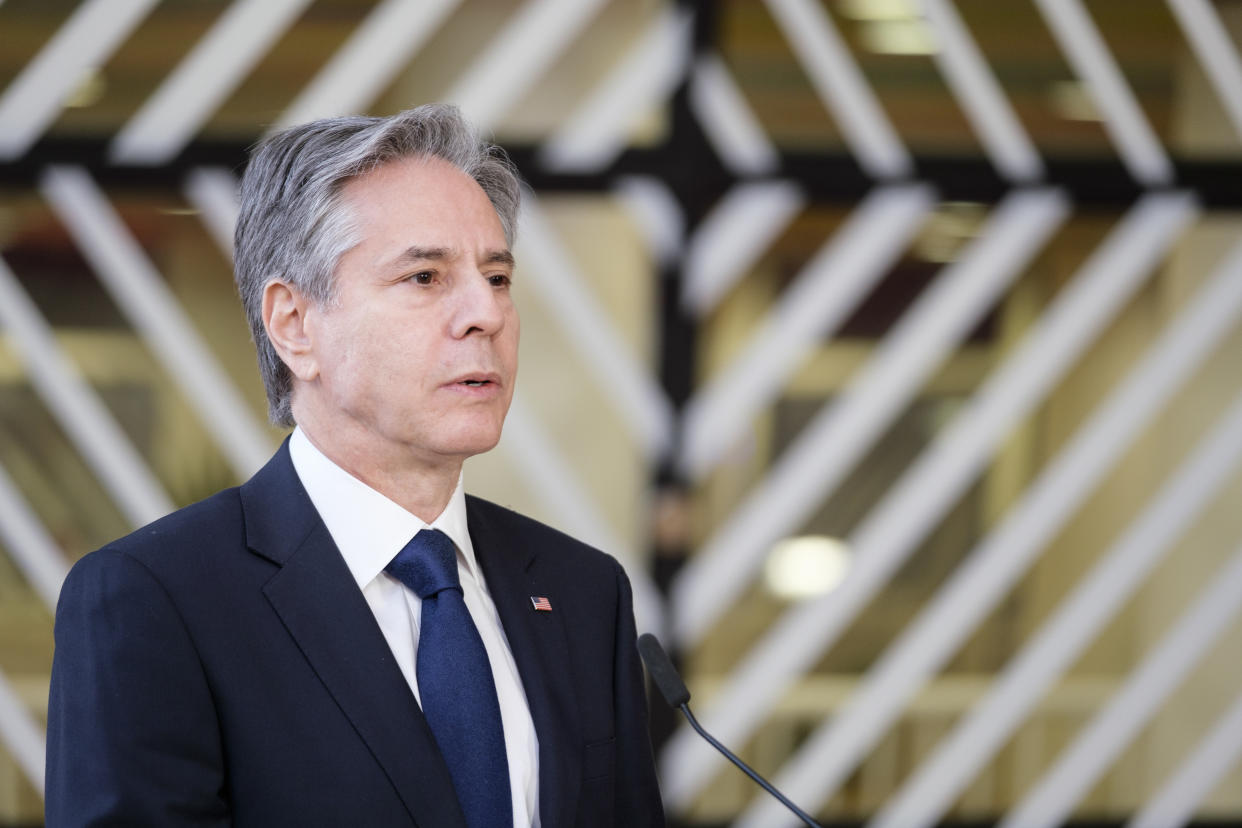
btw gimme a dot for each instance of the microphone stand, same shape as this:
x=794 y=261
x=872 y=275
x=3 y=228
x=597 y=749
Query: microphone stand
x=745 y=768
x=674 y=691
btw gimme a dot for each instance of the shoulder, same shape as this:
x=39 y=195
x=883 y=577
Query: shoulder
x=183 y=547
x=527 y=533
x=207 y=523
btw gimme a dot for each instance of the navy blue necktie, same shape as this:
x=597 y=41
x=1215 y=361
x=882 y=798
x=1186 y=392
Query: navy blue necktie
x=455 y=681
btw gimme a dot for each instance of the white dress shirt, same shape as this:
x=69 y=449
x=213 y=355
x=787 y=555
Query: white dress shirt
x=370 y=530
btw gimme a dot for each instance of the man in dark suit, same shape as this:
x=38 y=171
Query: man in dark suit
x=347 y=639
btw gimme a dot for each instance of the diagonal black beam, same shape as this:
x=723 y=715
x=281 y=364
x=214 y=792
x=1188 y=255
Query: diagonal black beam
x=694 y=174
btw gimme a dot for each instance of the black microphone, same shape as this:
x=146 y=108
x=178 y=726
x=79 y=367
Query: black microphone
x=674 y=691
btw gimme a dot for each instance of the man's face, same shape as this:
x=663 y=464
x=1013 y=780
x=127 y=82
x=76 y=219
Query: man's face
x=419 y=352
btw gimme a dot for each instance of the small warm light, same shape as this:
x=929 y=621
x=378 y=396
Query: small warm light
x=1071 y=101
x=806 y=566
x=898 y=37
x=878 y=9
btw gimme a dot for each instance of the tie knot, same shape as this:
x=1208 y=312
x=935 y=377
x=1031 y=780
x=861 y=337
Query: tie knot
x=427 y=564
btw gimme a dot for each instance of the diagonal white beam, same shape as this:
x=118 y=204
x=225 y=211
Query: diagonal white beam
x=846 y=428
x=1124 y=121
x=1098 y=744
x=926 y=644
x=518 y=57
x=535 y=454
x=76 y=406
x=980 y=96
x=1175 y=803
x=596 y=133
x=733 y=236
x=841 y=87
x=392 y=33
x=203 y=79
x=22 y=735
x=30 y=545
x=86 y=40
x=931 y=790
x=821 y=297
x=730 y=124
x=629 y=385
x=554 y=481
x=213 y=192
x=893 y=528
x=657 y=214
x=146 y=300
x=1210 y=40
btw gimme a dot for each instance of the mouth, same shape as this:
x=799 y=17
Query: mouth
x=478 y=381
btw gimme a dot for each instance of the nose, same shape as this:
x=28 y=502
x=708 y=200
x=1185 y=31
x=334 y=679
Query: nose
x=479 y=307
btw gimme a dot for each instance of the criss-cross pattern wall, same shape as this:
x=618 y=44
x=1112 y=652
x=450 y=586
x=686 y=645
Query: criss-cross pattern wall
x=712 y=195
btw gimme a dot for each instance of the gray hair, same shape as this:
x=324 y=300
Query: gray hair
x=294 y=226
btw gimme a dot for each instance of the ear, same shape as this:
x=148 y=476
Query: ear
x=285 y=318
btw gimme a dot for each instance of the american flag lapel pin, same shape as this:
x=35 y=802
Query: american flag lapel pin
x=540 y=603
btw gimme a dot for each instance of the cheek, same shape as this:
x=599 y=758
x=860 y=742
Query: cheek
x=514 y=328
x=352 y=365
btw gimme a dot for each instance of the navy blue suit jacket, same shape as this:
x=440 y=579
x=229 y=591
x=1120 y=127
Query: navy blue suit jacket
x=220 y=666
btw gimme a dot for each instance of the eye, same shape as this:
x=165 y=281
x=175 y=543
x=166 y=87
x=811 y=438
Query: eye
x=499 y=280
x=423 y=277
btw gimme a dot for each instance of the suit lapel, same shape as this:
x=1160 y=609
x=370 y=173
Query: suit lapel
x=327 y=616
x=540 y=649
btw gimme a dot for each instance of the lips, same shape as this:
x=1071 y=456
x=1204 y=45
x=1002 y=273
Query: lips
x=477 y=380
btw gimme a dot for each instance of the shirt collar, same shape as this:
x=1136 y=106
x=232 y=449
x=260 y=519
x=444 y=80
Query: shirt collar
x=368 y=528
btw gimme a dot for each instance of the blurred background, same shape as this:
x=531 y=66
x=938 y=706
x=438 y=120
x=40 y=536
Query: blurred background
x=894 y=346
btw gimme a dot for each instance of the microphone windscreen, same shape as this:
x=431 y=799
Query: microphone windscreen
x=662 y=671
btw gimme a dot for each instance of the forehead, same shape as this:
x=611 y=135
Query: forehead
x=422 y=196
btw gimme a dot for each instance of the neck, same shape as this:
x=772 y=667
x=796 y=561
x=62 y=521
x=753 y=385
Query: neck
x=421 y=486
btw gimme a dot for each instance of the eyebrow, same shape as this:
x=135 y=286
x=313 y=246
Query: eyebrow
x=421 y=254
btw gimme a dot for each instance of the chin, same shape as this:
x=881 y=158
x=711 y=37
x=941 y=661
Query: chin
x=470 y=444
